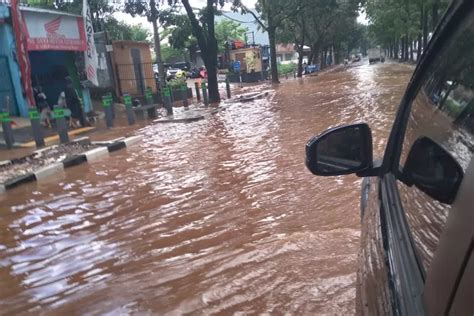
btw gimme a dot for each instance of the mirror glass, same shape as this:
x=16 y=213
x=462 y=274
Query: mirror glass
x=433 y=170
x=342 y=150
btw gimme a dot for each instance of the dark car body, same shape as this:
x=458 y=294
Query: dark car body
x=417 y=203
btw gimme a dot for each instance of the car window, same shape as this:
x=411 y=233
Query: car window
x=442 y=111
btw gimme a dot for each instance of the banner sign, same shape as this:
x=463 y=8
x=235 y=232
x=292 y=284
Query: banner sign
x=90 y=55
x=49 y=31
x=21 y=39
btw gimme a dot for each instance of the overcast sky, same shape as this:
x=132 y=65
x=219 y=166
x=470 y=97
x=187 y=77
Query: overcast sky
x=199 y=4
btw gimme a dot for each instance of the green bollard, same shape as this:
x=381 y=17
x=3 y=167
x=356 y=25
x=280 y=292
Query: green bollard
x=149 y=101
x=36 y=127
x=168 y=104
x=112 y=105
x=198 y=93
x=106 y=102
x=61 y=125
x=227 y=87
x=7 y=129
x=205 y=96
x=127 y=99
x=184 y=95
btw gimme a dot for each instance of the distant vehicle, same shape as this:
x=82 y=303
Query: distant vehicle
x=183 y=65
x=376 y=55
x=171 y=73
x=416 y=206
x=311 y=69
x=356 y=58
x=203 y=72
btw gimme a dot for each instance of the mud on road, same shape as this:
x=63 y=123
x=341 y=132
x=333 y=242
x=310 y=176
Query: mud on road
x=215 y=216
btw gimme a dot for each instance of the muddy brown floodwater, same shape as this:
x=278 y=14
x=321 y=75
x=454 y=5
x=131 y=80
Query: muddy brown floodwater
x=216 y=216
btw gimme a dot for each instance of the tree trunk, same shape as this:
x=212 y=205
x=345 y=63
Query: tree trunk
x=273 y=58
x=211 y=64
x=157 y=41
x=311 y=57
x=412 y=57
x=396 y=49
x=418 y=53
x=425 y=29
x=406 y=48
x=300 y=61
x=323 y=60
x=207 y=43
x=434 y=14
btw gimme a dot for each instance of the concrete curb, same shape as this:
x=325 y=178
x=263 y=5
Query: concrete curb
x=96 y=154
x=253 y=97
x=194 y=118
x=50 y=170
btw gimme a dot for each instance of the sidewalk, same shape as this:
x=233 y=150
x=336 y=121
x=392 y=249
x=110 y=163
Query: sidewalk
x=99 y=132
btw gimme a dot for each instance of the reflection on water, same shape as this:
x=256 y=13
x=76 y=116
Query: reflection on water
x=213 y=216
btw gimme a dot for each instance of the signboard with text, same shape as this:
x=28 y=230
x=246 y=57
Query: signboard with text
x=48 y=31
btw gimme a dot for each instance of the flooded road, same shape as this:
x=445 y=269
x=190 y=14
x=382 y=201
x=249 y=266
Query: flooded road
x=216 y=216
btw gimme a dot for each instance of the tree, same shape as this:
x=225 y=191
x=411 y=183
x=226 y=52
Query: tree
x=402 y=25
x=169 y=54
x=118 y=30
x=203 y=29
x=270 y=15
x=178 y=31
x=227 y=29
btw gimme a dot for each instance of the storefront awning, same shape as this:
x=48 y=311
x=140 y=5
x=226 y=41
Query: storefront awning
x=50 y=30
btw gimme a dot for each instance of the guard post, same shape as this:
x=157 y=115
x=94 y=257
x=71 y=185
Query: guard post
x=7 y=128
x=61 y=125
x=106 y=102
x=36 y=127
x=149 y=101
x=198 y=93
x=167 y=101
x=112 y=104
x=127 y=100
x=184 y=95
x=227 y=87
x=205 y=96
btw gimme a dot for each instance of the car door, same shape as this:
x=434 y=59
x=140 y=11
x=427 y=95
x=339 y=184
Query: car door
x=427 y=190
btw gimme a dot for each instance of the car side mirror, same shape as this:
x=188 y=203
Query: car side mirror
x=433 y=170
x=340 y=150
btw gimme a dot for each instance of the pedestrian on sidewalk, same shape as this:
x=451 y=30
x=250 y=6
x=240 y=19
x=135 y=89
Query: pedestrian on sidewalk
x=74 y=104
x=43 y=107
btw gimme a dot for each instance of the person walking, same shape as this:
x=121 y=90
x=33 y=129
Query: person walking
x=74 y=104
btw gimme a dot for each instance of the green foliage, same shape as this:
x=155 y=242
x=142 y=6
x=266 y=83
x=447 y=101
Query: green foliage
x=177 y=83
x=395 y=20
x=178 y=29
x=227 y=29
x=118 y=30
x=286 y=69
x=170 y=54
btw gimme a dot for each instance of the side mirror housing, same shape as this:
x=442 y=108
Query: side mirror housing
x=433 y=170
x=341 y=150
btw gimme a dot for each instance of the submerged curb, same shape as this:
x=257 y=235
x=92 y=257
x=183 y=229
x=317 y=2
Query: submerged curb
x=193 y=118
x=52 y=169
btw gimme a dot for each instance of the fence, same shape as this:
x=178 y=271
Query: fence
x=135 y=78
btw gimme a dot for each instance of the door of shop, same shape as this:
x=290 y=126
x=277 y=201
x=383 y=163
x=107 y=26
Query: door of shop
x=6 y=87
x=137 y=67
